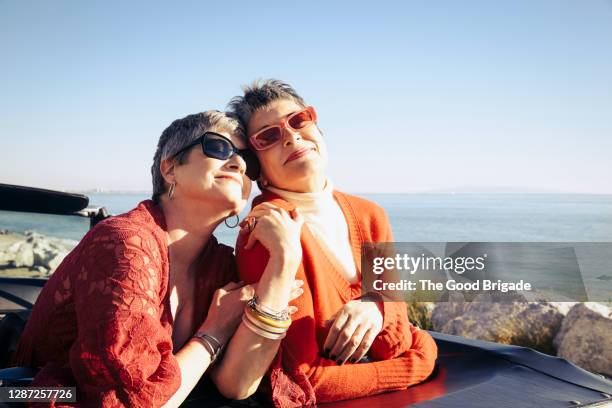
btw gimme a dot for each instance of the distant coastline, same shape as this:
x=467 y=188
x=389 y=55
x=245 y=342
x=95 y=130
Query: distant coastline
x=450 y=191
x=104 y=191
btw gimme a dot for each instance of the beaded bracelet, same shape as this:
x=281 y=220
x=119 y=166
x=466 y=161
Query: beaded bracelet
x=256 y=305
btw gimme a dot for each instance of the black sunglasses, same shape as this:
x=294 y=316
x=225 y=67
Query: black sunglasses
x=220 y=147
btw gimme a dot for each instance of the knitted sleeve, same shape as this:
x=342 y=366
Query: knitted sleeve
x=122 y=355
x=332 y=382
x=285 y=384
x=395 y=337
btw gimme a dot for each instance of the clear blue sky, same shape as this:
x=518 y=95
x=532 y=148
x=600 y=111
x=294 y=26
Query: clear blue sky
x=412 y=96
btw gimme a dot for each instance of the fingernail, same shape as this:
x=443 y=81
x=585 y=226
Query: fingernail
x=299 y=282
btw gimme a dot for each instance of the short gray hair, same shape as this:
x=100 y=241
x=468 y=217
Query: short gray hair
x=184 y=131
x=259 y=94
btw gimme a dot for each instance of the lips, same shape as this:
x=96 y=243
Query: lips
x=298 y=153
x=231 y=177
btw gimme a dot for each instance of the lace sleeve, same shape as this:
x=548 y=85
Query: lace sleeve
x=123 y=354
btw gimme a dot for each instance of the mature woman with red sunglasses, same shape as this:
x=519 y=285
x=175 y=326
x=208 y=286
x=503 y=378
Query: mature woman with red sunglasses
x=337 y=346
x=140 y=309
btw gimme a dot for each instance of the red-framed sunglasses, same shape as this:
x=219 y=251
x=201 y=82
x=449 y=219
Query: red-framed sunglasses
x=271 y=135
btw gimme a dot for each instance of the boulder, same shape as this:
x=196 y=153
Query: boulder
x=501 y=319
x=54 y=262
x=444 y=312
x=585 y=337
x=21 y=255
x=42 y=250
x=419 y=314
x=36 y=251
x=42 y=270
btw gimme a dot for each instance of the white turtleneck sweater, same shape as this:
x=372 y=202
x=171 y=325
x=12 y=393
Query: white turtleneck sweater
x=325 y=219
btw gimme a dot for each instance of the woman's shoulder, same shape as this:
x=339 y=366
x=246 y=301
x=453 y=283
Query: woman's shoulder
x=146 y=215
x=142 y=226
x=362 y=206
x=129 y=248
x=371 y=218
x=268 y=196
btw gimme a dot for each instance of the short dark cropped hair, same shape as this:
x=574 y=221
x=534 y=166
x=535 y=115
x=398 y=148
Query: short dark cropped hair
x=259 y=94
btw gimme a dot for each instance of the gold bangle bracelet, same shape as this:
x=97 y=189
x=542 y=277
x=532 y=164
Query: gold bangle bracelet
x=281 y=315
x=260 y=332
x=264 y=326
x=281 y=324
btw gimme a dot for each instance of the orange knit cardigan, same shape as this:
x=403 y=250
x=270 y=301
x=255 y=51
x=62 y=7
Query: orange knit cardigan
x=402 y=355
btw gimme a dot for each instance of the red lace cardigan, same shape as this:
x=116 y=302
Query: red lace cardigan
x=102 y=322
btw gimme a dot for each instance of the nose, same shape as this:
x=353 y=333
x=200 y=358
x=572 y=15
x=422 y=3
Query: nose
x=290 y=136
x=236 y=163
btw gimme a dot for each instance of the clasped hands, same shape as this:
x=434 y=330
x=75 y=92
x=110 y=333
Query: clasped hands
x=355 y=326
x=352 y=331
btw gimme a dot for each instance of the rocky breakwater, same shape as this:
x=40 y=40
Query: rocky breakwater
x=579 y=332
x=585 y=337
x=32 y=254
x=502 y=319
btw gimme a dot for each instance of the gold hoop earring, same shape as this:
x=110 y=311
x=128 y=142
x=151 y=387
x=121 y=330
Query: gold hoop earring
x=232 y=226
x=171 y=190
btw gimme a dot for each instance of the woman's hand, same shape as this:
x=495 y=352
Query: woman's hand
x=276 y=229
x=227 y=306
x=353 y=331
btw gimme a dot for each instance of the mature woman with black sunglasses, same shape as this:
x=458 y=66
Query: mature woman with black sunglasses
x=140 y=309
x=337 y=346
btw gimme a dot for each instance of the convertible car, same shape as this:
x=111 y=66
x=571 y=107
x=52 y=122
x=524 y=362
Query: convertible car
x=468 y=373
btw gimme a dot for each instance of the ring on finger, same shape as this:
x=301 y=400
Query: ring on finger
x=251 y=222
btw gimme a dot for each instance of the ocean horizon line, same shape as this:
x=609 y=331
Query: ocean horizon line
x=429 y=192
x=457 y=190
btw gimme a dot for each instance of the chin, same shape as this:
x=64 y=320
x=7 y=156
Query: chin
x=230 y=200
x=236 y=204
x=311 y=168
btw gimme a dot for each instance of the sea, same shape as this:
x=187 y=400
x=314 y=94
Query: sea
x=424 y=217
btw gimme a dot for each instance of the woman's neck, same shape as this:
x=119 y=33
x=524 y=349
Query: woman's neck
x=307 y=199
x=310 y=184
x=189 y=228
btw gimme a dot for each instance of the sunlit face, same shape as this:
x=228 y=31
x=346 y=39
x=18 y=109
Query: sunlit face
x=299 y=158
x=214 y=181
